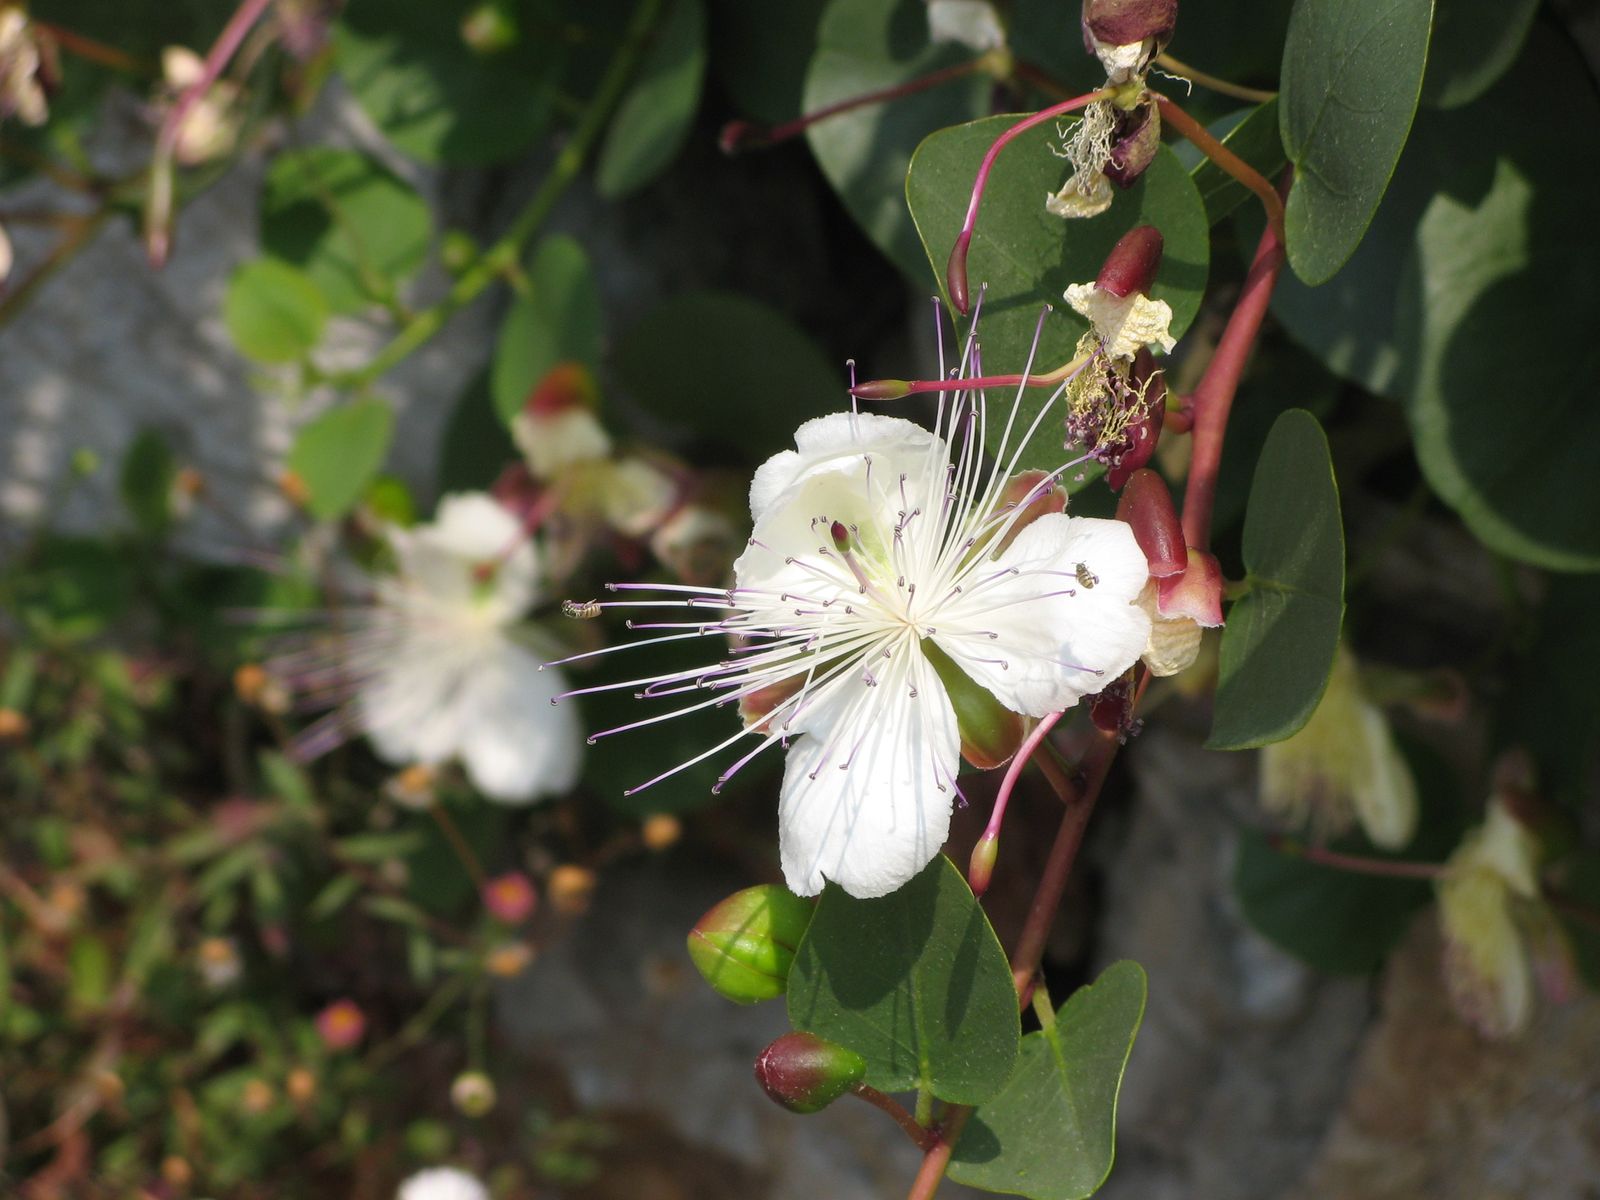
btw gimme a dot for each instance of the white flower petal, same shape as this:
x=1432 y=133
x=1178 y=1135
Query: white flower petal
x=1485 y=962
x=1058 y=639
x=1073 y=203
x=972 y=23
x=442 y=1183
x=517 y=746
x=410 y=706
x=552 y=442
x=1386 y=800
x=837 y=436
x=875 y=824
x=438 y=562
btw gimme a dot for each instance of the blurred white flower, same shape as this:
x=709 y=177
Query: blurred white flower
x=437 y=667
x=1342 y=764
x=972 y=23
x=211 y=127
x=442 y=1183
x=886 y=571
x=27 y=63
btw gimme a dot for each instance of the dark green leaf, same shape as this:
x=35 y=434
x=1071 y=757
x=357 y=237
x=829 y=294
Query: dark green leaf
x=148 y=471
x=653 y=120
x=433 y=95
x=915 y=983
x=1506 y=264
x=1254 y=139
x=1339 y=921
x=864 y=46
x=728 y=368
x=71 y=588
x=1278 y=647
x=556 y=320
x=476 y=443
x=1027 y=257
x=337 y=454
x=274 y=312
x=761 y=52
x=345 y=220
x=1579 y=880
x=1352 y=71
x=1051 y=1134
x=1474 y=42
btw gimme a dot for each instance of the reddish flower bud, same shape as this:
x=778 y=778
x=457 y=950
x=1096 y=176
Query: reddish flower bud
x=1138 y=138
x=1146 y=505
x=980 y=867
x=565 y=386
x=1131 y=266
x=881 y=389
x=805 y=1073
x=1123 y=22
x=1196 y=594
x=1111 y=709
x=510 y=898
x=745 y=945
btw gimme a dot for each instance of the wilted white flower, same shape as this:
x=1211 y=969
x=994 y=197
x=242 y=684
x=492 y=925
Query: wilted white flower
x=437 y=666
x=888 y=571
x=211 y=126
x=1122 y=324
x=442 y=1183
x=1343 y=763
x=972 y=23
x=27 y=61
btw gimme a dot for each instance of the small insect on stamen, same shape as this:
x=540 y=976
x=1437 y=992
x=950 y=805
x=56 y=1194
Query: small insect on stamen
x=587 y=610
x=1085 y=576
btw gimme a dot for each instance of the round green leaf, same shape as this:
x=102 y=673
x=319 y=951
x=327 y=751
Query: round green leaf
x=148 y=472
x=1352 y=72
x=475 y=444
x=1026 y=257
x=345 y=220
x=435 y=97
x=1278 y=646
x=1051 y=1134
x=762 y=51
x=338 y=454
x=69 y=588
x=558 y=318
x=274 y=312
x=863 y=46
x=725 y=367
x=653 y=119
x=915 y=982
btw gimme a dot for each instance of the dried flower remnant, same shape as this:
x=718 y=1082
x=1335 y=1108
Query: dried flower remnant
x=1342 y=767
x=210 y=128
x=29 y=67
x=880 y=592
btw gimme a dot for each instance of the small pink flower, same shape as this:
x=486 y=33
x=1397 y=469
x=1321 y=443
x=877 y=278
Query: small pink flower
x=341 y=1025
x=510 y=898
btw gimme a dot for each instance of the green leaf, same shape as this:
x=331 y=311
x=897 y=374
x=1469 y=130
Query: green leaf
x=275 y=313
x=72 y=588
x=760 y=53
x=1579 y=879
x=1278 y=646
x=1474 y=43
x=1339 y=921
x=863 y=46
x=434 y=96
x=337 y=455
x=1501 y=404
x=1051 y=1134
x=1253 y=138
x=1027 y=257
x=89 y=968
x=729 y=368
x=556 y=320
x=148 y=471
x=653 y=120
x=349 y=223
x=476 y=443
x=915 y=982
x=1352 y=71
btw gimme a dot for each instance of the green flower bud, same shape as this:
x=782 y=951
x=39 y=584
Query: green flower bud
x=745 y=945
x=805 y=1074
x=990 y=732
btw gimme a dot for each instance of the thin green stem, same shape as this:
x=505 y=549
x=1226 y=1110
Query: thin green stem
x=503 y=254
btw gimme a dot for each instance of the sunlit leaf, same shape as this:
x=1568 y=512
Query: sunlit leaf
x=557 y=319
x=653 y=119
x=337 y=454
x=275 y=313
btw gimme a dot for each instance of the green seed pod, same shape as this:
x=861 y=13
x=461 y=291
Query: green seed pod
x=990 y=732
x=745 y=945
x=805 y=1073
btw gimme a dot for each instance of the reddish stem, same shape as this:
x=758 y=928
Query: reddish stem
x=741 y=135
x=1224 y=158
x=1008 y=784
x=956 y=271
x=1356 y=863
x=92 y=50
x=937 y=1160
x=926 y=1139
x=1212 y=398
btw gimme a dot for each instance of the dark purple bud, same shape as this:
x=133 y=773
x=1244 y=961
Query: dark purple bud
x=1146 y=505
x=1138 y=139
x=1144 y=432
x=840 y=536
x=805 y=1073
x=1123 y=22
x=1131 y=266
x=955 y=274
